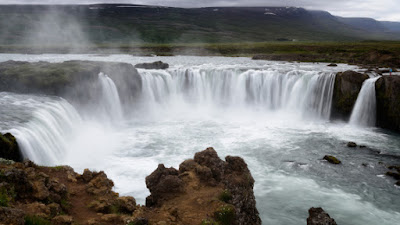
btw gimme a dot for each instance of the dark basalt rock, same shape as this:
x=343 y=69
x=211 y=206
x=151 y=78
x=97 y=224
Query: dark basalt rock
x=9 y=148
x=351 y=144
x=388 y=102
x=332 y=65
x=154 y=65
x=332 y=159
x=317 y=216
x=347 y=87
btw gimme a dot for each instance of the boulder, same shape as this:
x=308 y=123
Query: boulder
x=126 y=204
x=332 y=65
x=162 y=183
x=9 y=148
x=317 y=216
x=332 y=159
x=388 y=102
x=351 y=144
x=346 y=89
x=154 y=65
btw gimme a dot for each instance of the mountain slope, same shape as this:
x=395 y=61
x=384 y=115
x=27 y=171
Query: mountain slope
x=75 y=25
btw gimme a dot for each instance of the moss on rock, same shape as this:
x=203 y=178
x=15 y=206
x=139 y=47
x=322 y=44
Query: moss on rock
x=9 y=148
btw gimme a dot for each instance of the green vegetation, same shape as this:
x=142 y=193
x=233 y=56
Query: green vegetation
x=225 y=215
x=35 y=220
x=225 y=196
x=6 y=196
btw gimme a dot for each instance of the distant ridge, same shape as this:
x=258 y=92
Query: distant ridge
x=125 y=24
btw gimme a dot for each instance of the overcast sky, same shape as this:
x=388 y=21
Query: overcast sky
x=378 y=9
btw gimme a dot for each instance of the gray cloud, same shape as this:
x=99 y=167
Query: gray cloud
x=381 y=10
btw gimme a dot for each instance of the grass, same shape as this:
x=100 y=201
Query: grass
x=35 y=220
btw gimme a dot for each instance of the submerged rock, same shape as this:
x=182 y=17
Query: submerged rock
x=332 y=159
x=388 y=102
x=346 y=89
x=332 y=65
x=317 y=216
x=9 y=148
x=154 y=65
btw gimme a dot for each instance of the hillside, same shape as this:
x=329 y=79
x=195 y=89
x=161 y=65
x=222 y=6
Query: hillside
x=76 y=25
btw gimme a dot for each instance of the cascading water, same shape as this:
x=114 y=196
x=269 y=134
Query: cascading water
x=304 y=92
x=110 y=99
x=239 y=106
x=364 y=111
x=44 y=139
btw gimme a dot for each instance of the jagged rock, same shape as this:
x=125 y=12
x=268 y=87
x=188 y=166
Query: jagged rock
x=351 y=144
x=11 y=216
x=39 y=209
x=126 y=204
x=154 y=65
x=388 y=102
x=317 y=216
x=41 y=192
x=239 y=181
x=87 y=175
x=332 y=159
x=210 y=159
x=162 y=182
x=62 y=220
x=9 y=148
x=100 y=184
x=346 y=89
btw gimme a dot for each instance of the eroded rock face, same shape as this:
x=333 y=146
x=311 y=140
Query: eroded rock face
x=347 y=87
x=70 y=79
x=317 y=216
x=388 y=102
x=9 y=148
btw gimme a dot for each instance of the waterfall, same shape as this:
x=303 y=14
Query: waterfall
x=364 y=111
x=306 y=92
x=110 y=98
x=44 y=139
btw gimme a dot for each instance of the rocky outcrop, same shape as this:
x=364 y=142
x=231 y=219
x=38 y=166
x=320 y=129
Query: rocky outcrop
x=205 y=190
x=388 y=102
x=154 y=65
x=229 y=181
x=347 y=87
x=70 y=79
x=317 y=216
x=9 y=148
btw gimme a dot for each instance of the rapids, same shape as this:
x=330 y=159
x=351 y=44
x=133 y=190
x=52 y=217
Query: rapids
x=276 y=115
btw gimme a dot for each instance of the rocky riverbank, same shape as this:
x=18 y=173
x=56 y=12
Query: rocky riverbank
x=205 y=190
